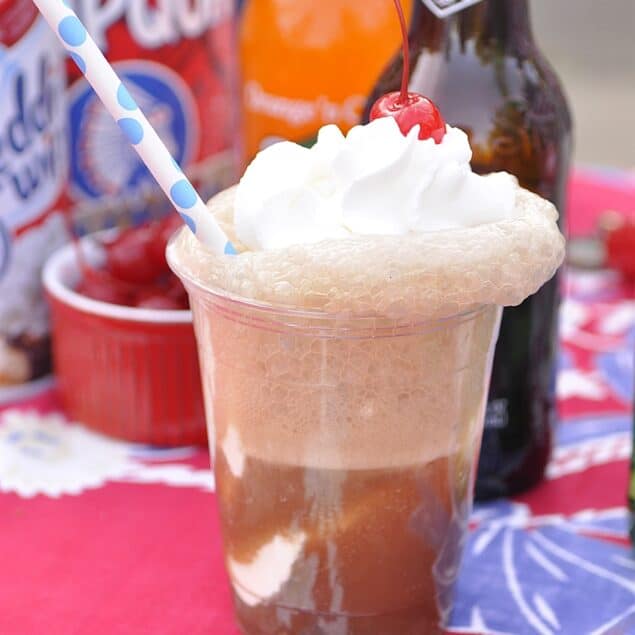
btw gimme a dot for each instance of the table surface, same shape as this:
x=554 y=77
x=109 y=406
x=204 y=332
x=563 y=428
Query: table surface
x=102 y=536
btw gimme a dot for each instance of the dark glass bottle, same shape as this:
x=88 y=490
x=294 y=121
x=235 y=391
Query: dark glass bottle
x=482 y=68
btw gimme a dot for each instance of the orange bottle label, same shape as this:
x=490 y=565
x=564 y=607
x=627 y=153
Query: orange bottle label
x=305 y=64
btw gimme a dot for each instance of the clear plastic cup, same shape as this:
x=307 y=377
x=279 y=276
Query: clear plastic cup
x=344 y=451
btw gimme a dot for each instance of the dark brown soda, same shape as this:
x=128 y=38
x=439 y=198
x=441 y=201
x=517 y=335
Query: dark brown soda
x=380 y=549
x=484 y=71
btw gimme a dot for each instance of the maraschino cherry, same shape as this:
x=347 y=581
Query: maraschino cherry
x=409 y=109
x=620 y=248
x=135 y=272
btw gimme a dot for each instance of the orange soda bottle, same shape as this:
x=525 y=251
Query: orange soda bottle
x=305 y=64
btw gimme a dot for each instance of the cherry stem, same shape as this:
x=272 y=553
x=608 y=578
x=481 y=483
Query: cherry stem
x=403 y=97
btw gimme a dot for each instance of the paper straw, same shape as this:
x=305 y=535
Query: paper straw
x=123 y=108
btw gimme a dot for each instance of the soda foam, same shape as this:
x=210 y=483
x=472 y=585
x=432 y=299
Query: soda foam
x=394 y=392
x=422 y=275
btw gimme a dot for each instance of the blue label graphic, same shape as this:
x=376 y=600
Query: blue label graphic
x=103 y=163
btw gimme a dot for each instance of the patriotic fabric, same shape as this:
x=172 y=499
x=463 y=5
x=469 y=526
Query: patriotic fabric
x=102 y=536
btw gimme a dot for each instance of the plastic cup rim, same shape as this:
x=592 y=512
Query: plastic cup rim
x=285 y=310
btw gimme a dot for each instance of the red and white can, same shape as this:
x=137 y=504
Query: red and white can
x=34 y=165
x=177 y=59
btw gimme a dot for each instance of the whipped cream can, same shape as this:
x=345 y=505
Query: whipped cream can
x=33 y=175
x=177 y=60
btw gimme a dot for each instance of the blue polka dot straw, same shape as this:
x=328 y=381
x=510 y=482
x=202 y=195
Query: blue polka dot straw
x=133 y=123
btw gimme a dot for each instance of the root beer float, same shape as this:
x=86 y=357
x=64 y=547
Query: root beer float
x=346 y=352
x=345 y=357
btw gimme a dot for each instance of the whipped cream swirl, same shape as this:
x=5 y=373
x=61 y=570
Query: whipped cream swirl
x=374 y=180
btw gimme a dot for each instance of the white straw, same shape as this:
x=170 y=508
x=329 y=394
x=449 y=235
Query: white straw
x=120 y=104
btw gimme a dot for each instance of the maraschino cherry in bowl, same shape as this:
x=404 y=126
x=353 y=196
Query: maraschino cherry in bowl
x=123 y=342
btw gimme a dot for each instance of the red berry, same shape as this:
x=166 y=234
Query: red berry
x=164 y=231
x=153 y=300
x=176 y=290
x=620 y=249
x=414 y=110
x=136 y=272
x=129 y=257
x=102 y=290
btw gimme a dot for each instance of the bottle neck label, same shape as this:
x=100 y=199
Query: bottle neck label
x=445 y=8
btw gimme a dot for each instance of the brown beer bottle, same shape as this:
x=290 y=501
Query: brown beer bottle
x=481 y=66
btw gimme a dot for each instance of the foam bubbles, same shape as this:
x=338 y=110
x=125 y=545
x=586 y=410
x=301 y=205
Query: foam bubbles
x=395 y=393
x=428 y=275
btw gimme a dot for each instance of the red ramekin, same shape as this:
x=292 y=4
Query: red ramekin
x=126 y=372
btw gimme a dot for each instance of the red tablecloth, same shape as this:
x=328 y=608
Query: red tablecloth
x=98 y=536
